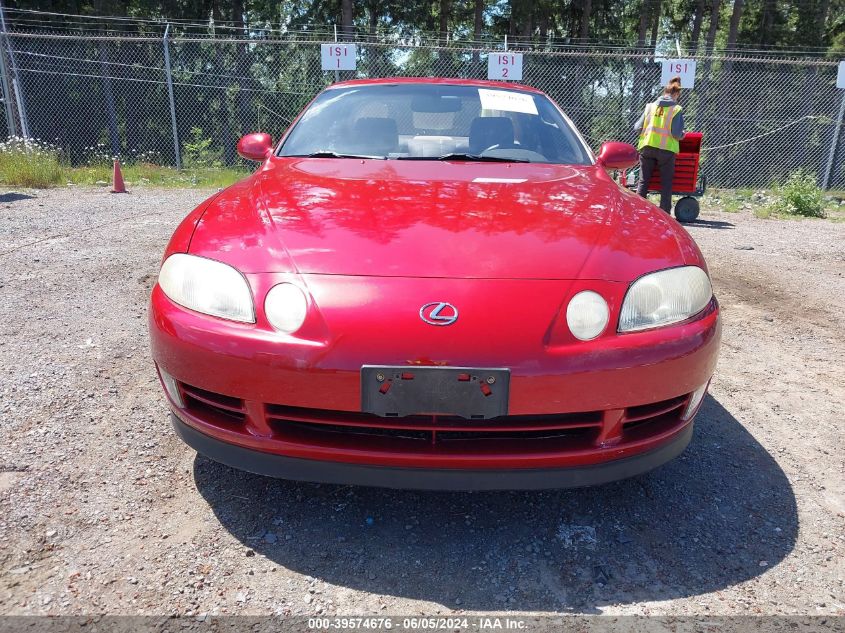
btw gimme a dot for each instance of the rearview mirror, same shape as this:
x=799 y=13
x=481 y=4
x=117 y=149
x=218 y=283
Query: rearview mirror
x=616 y=155
x=255 y=146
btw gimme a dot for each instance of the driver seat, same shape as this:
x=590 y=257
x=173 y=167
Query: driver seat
x=490 y=130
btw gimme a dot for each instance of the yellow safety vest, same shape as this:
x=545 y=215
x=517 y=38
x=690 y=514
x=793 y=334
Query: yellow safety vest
x=657 y=128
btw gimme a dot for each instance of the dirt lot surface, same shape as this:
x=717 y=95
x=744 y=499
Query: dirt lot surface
x=104 y=510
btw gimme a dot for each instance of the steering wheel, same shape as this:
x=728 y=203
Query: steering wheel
x=487 y=149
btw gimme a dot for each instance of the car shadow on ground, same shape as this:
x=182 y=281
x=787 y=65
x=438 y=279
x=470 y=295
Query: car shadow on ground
x=720 y=514
x=711 y=224
x=14 y=196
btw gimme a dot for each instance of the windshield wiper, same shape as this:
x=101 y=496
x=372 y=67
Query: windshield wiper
x=326 y=153
x=467 y=157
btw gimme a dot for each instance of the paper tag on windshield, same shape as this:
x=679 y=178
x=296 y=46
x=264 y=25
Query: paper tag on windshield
x=507 y=101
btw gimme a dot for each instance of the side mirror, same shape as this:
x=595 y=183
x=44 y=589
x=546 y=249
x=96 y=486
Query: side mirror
x=616 y=155
x=255 y=146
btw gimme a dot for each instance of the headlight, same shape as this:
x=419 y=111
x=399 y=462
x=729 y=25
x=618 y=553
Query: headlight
x=207 y=286
x=285 y=307
x=587 y=315
x=665 y=297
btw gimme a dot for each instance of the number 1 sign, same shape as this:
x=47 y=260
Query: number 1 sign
x=507 y=66
x=337 y=56
x=683 y=68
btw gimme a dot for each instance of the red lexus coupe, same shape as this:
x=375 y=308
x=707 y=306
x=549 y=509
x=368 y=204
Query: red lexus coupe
x=434 y=283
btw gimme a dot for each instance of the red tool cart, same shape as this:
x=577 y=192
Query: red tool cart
x=687 y=181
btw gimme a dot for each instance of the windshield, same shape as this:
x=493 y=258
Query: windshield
x=435 y=122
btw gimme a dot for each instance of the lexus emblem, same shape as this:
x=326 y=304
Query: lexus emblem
x=439 y=313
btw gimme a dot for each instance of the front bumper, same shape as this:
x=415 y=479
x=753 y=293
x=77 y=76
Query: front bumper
x=584 y=405
x=316 y=471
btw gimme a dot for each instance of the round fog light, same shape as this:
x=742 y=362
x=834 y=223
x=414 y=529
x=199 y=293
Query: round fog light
x=286 y=307
x=587 y=315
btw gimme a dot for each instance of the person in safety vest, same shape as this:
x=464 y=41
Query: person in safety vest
x=661 y=126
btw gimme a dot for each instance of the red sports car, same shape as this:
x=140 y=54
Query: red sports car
x=434 y=283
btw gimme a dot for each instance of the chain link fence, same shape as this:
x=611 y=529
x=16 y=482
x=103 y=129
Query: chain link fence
x=185 y=100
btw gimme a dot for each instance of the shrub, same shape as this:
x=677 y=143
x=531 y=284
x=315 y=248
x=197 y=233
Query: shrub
x=30 y=163
x=198 y=151
x=800 y=196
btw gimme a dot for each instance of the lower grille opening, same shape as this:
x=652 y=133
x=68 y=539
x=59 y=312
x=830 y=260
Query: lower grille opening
x=300 y=429
x=317 y=425
x=213 y=408
x=510 y=434
x=647 y=412
x=653 y=418
x=579 y=433
x=411 y=440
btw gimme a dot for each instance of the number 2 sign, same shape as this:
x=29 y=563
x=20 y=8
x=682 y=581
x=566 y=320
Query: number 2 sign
x=683 y=68
x=337 y=56
x=507 y=66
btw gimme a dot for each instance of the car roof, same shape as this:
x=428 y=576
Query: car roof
x=443 y=81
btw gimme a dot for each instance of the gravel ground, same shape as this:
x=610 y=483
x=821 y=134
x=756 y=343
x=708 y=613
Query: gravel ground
x=104 y=510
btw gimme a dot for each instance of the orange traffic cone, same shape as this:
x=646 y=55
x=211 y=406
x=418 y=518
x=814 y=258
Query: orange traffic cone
x=118 y=186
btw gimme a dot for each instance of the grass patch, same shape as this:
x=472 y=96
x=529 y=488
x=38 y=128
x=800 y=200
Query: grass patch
x=729 y=200
x=37 y=165
x=149 y=175
x=29 y=164
x=799 y=195
x=835 y=208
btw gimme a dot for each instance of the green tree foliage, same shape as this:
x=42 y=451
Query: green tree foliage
x=810 y=24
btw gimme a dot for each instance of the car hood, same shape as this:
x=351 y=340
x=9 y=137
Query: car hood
x=437 y=219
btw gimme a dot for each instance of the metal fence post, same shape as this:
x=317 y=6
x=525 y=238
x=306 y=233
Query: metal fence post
x=834 y=141
x=16 y=85
x=11 y=124
x=176 y=146
x=336 y=74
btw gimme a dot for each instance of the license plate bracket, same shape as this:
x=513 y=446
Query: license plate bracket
x=468 y=392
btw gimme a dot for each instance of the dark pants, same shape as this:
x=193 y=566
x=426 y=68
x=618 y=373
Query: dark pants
x=664 y=160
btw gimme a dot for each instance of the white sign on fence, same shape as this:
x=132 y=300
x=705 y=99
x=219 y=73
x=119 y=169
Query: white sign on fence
x=683 y=68
x=840 y=76
x=337 y=56
x=507 y=66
